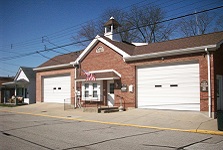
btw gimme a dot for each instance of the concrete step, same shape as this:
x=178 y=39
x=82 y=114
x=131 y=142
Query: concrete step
x=109 y=110
x=106 y=109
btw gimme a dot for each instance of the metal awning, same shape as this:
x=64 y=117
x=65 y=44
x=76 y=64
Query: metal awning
x=110 y=75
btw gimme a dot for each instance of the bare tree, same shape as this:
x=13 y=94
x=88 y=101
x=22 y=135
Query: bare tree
x=120 y=16
x=96 y=27
x=146 y=20
x=87 y=33
x=138 y=25
x=219 y=24
x=196 y=25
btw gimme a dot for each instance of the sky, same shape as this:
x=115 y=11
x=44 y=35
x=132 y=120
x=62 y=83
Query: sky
x=27 y=26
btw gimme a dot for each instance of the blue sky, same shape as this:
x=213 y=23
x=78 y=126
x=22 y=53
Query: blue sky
x=23 y=23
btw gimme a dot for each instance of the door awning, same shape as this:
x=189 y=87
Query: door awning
x=108 y=75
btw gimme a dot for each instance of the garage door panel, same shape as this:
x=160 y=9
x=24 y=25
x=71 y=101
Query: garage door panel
x=171 y=86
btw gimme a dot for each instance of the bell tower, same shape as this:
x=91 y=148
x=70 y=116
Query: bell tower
x=112 y=29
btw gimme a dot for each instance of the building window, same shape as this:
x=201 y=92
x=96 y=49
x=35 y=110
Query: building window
x=173 y=85
x=111 y=88
x=91 y=91
x=86 y=91
x=158 y=86
x=95 y=90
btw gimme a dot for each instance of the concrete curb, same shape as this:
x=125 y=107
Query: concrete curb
x=121 y=124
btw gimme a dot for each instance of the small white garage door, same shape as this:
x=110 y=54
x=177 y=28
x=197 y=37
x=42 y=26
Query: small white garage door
x=56 y=89
x=169 y=87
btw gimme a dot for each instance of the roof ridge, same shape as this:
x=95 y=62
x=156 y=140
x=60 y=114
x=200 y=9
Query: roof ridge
x=182 y=38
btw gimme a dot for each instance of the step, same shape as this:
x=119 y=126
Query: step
x=109 y=110
x=106 y=109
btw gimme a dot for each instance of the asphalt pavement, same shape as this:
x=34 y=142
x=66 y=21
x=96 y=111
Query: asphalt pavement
x=186 y=121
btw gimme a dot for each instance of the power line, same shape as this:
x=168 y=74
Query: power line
x=73 y=43
x=57 y=36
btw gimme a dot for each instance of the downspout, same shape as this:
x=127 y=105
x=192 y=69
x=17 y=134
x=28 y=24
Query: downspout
x=75 y=91
x=209 y=82
x=15 y=92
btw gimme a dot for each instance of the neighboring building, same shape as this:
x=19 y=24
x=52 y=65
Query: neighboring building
x=3 y=90
x=181 y=74
x=55 y=79
x=23 y=87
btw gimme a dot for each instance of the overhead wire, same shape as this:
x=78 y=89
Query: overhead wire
x=60 y=34
x=73 y=43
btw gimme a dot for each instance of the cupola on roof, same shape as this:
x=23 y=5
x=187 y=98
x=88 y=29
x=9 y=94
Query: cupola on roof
x=113 y=22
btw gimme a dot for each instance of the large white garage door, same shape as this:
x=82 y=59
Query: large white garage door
x=169 y=87
x=56 y=89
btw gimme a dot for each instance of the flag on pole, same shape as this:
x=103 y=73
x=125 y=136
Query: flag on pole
x=89 y=76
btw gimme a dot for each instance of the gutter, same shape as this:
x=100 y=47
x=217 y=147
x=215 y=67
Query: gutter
x=170 y=53
x=51 y=67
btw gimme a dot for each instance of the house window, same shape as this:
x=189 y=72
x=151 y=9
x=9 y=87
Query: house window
x=157 y=86
x=111 y=88
x=173 y=85
x=95 y=90
x=91 y=91
x=86 y=91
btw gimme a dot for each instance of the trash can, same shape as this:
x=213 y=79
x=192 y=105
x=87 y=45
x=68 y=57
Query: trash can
x=220 y=120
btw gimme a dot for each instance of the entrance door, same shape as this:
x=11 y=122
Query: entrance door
x=219 y=93
x=110 y=96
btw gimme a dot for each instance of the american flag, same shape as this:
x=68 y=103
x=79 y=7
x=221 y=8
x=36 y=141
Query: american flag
x=89 y=76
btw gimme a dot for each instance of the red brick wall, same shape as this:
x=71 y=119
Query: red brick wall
x=109 y=59
x=39 y=80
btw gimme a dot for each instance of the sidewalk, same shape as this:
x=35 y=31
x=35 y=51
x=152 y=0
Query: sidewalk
x=144 y=118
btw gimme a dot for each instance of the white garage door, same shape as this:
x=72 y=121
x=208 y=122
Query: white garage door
x=169 y=87
x=56 y=89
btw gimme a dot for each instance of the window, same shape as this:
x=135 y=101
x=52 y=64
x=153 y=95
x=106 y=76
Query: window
x=86 y=91
x=111 y=88
x=158 y=86
x=91 y=91
x=173 y=85
x=95 y=91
